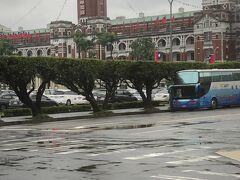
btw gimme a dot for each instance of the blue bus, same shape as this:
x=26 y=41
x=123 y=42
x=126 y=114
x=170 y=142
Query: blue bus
x=209 y=88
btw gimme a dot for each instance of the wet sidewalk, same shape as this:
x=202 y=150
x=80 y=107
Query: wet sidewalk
x=76 y=114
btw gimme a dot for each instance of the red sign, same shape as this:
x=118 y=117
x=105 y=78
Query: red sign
x=16 y=36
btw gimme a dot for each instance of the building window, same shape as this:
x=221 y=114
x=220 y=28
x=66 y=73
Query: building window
x=208 y=36
x=69 y=49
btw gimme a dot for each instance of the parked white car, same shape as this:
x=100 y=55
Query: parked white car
x=161 y=96
x=65 y=97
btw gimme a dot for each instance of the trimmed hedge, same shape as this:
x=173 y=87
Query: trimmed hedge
x=74 y=108
x=46 y=110
x=136 y=104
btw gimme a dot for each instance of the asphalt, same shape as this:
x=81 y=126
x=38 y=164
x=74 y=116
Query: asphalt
x=75 y=115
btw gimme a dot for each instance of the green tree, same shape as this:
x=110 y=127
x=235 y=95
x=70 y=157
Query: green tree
x=6 y=48
x=110 y=79
x=82 y=43
x=106 y=38
x=140 y=75
x=20 y=73
x=142 y=49
x=78 y=76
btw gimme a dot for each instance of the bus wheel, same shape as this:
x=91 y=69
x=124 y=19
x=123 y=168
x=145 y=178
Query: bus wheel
x=214 y=103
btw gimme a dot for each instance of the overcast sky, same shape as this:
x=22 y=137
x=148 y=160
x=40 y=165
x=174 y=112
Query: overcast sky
x=33 y=14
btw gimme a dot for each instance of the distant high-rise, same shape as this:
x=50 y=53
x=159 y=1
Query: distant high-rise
x=91 y=8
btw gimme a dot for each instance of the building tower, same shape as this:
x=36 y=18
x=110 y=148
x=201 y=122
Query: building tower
x=91 y=8
x=215 y=30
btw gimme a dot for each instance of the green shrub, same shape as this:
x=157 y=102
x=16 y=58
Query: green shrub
x=65 y=109
x=135 y=104
x=46 y=110
x=17 y=112
x=74 y=108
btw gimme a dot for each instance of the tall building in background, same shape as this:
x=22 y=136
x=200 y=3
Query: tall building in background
x=91 y=8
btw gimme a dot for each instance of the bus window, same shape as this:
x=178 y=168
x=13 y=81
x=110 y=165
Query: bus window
x=205 y=77
x=236 y=76
x=216 y=77
x=227 y=76
x=184 y=92
x=187 y=78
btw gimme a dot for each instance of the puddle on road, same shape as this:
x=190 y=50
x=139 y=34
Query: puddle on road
x=192 y=123
x=87 y=168
x=11 y=161
x=131 y=126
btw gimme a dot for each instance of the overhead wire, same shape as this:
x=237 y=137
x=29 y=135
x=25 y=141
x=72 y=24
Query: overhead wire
x=131 y=7
x=60 y=13
x=28 y=12
x=188 y=4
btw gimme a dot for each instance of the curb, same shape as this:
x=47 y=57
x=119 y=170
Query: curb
x=2 y=123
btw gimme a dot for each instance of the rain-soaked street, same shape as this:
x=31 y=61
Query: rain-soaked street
x=192 y=145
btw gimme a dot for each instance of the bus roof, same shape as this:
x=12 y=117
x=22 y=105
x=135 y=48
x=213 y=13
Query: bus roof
x=210 y=70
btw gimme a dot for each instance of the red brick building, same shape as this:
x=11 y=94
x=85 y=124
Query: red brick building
x=91 y=8
x=215 y=30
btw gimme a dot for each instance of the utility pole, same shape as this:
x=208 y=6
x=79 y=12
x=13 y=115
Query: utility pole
x=171 y=37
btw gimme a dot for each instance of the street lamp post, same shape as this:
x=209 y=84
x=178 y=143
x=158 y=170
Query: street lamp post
x=171 y=47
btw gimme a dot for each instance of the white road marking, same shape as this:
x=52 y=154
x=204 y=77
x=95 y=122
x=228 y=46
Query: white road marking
x=47 y=140
x=157 y=154
x=70 y=152
x=113 y=152
x=16 y=129
x=161 y=176
x=62 y=147
x=212 y=173
x=13 y=149
x=194 y=160
x=94 y=125
x=33 y=150
x=160 y=130
x=12 y=140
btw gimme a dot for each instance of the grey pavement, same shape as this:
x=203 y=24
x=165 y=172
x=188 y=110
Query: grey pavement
x=76 y=114
x=187 y=145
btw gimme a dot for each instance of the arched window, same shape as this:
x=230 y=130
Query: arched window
x=39 y=53
x=122 y=47
x=49 y=52
x=190 y=40
x=176 y=42
x=161 y=43
x=29 y=53
x=20 y=53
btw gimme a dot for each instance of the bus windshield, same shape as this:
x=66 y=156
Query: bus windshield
x=188 y=77
x=184 y=92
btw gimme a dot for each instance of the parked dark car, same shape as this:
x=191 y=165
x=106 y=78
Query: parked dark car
x=5 y=99
x=122 y=95
x=45 y=102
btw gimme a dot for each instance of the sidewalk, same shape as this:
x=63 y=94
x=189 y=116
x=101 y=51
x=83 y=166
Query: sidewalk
x=62 y=116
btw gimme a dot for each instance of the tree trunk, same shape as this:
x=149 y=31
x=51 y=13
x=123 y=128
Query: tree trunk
x=111 y=54
x=93 y=103
x=148 y=103
x=79 y=53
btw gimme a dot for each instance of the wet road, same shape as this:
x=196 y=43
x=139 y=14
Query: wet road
x=175 y=146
